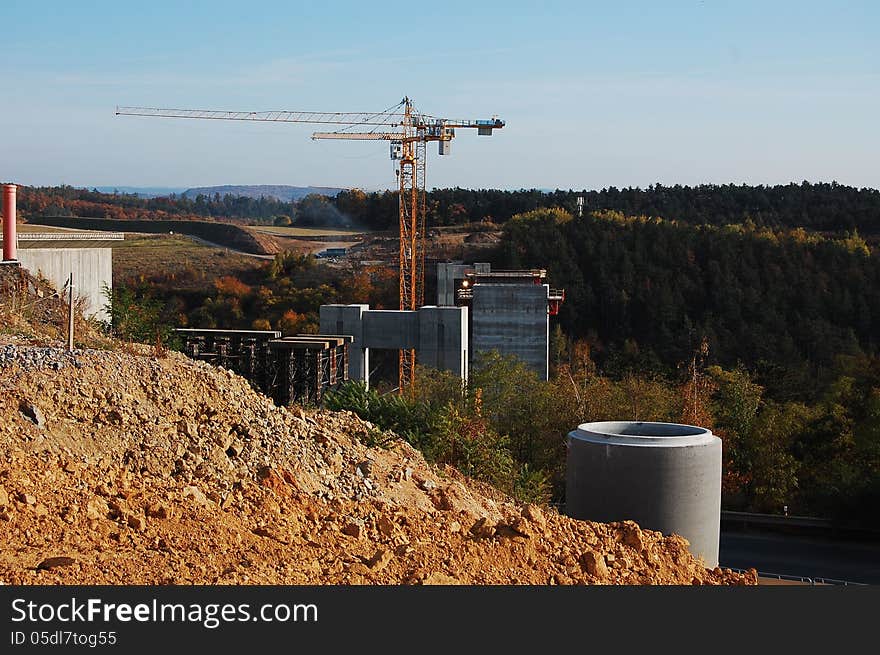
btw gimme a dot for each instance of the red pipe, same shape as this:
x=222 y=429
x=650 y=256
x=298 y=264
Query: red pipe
x=9 y=237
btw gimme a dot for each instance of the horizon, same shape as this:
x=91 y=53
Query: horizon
x=593 y=96
x=102 y=188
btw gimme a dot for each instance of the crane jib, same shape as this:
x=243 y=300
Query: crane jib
x=394 y=119
x=409 y=132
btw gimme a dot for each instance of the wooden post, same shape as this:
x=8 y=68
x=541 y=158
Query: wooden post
x=70 y=313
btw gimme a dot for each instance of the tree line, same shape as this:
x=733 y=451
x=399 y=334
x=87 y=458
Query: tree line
x=70 y=201
x=821 y=207
x=815 y=206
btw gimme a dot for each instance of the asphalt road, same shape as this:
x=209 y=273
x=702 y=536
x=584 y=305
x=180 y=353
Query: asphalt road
x=810 y=557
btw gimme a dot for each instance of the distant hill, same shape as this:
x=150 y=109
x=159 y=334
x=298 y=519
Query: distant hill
x=141 y=191
x=279 y=191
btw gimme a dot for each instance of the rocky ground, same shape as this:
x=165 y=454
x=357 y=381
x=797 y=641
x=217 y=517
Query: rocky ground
x=127 y=466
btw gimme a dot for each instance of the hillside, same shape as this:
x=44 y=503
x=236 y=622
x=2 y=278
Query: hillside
x=784 y=299
x=281 y=192
x=124 y=465
x=228 y=235
x=140 y=191
x=815 y=207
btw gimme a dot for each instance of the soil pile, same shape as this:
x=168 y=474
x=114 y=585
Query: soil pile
x=120 y=467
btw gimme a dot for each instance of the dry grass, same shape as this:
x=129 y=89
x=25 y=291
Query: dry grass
x=144 y=256
x=148 y=256
x=27 y=227
x=31 y=307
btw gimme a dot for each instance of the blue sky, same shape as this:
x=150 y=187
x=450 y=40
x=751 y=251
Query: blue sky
x=594 y=93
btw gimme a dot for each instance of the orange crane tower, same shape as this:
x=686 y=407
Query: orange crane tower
x=408 y=132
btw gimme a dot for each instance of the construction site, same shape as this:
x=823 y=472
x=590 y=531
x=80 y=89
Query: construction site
x=128 y=463
x=123 y=466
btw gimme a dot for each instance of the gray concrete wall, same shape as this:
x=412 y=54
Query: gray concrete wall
x=443 y=339
x=91 y=267
x=438 y=334
x=512 y=319
x=448 y=273
x=390 y=329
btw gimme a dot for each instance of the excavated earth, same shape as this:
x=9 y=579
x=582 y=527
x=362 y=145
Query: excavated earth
x=121 y=465
x=125 y=468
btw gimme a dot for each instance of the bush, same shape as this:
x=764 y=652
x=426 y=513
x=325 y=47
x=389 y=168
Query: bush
x=139 y=316
x=446 y=422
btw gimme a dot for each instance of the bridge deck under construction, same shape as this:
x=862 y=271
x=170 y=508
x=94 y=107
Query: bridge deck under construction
x=294 y=369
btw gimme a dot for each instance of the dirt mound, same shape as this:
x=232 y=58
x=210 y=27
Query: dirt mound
x=263 y=243
x=30 y=307
x=119 y=468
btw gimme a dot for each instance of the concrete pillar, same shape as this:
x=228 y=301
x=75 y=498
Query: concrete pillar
x=438 y=334
x=349 y=319
x=448 y=273
x=512 y=319
x=443 y=339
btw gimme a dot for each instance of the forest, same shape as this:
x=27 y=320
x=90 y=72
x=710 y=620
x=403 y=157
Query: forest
x=644 y=292
x=822 y=207
x=66 y=200
x=816 y=207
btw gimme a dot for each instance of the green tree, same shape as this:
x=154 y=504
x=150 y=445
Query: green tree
x=138 y=316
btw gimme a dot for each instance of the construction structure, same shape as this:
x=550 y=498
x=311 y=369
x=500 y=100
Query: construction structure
x=438 y=335
x=87 y=256
x=663 y=476
x=10 y=240
x=509 y=311
x=294 y=369
x=408 y=132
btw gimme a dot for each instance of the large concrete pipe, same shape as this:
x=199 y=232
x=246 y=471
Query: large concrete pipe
x=663 y=476
x=9 y=236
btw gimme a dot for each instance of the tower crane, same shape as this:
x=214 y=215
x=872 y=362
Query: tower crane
x=408 y=132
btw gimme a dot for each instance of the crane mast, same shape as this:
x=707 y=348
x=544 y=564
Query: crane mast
x=409 y=132
x=411 y=174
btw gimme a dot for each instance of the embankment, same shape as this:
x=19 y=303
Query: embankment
x=228 y=235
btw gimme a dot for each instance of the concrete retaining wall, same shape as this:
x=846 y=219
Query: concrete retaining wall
x=91 y=267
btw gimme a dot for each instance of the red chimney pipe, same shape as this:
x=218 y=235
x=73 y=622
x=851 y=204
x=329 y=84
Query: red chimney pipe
x=9 y=237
